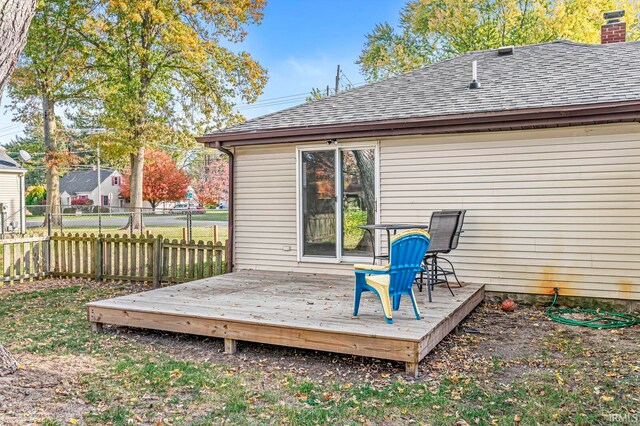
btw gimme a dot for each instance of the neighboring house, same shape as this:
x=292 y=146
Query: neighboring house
x=12 y=211
x=84 y=185
x=545 y=157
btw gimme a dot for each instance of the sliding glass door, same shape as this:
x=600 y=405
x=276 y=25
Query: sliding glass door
x=358 y=169
x=319 y=203
x=338 y=193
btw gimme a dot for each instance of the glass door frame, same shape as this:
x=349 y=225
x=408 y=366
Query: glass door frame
x=337 y=148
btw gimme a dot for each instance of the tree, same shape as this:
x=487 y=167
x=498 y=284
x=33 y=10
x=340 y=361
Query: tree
x=163 y=181
x=15 y=17
x=432 y=30
x=35 y=198
x=211 y=181
x=316 y=94
x=50 y=72
x=168 y=73
x=35 y=195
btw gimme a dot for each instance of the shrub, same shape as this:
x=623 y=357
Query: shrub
x=81 y=202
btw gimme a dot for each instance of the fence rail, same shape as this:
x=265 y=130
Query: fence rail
x=113 y=257
x=24 y=258
x=185 y=261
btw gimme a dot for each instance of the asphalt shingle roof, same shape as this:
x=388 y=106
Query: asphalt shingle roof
x=6 y=162
x=555 y=74
x=82 y=181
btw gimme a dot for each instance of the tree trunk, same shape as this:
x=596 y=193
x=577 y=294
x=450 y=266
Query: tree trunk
x=365 y=159
x=53 y=174
x=8 y=364
x=15 y=17
x=137 y=164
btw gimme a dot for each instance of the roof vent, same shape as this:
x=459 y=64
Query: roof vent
x=475 y=84
x=505 y=50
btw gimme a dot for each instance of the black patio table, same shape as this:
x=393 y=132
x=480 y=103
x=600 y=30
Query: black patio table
x=389 y=227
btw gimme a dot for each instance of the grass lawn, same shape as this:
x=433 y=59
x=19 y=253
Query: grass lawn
x=521 y=369
x=221 y=215
x=204 y=233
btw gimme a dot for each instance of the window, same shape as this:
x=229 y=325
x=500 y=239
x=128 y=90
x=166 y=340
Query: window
x=115 y=180
x=337 y=190
x=105 y=200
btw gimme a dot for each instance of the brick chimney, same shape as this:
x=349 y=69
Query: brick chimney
x=614 y=31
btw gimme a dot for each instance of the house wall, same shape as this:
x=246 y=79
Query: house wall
x=65 y=199
x=12 y=196
x=107 y=188
x=546 y=208
x=265 y=211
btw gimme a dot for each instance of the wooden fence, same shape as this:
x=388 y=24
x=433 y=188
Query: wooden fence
x=24 y=258
x=112 y=257
x=320 y=227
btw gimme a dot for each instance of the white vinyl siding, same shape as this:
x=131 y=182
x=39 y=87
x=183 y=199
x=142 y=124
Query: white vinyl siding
x=545 y=208
x=11 y=196
x=265 y=212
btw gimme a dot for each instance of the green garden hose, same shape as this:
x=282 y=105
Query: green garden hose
x=600 y=318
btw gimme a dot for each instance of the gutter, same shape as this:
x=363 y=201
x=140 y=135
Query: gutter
x=611 y=112
x=230 y=224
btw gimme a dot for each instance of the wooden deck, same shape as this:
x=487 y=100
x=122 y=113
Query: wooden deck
x=296 y=310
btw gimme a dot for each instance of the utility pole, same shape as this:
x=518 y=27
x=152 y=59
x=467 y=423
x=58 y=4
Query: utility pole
x=328 y=90
x=99 y=180
x=99 y=190
x=338 y=80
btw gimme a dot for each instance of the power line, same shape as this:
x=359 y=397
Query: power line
x=13 y=126
x=11 y=133
x=346 y=78
x=298 y=100
x=273 y=99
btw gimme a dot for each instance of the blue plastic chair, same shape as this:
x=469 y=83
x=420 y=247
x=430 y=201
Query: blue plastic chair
x=390 y=282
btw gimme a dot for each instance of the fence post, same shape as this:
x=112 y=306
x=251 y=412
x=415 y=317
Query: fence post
x=2 y=219
x=157 y=261
x=99 y=258
x=189 y=237
x=131 y=223
x=47 y=256
x=48 y=248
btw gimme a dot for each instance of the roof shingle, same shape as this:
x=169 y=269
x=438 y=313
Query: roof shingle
x=555 y=74
x=8 y=163
x=82 y=181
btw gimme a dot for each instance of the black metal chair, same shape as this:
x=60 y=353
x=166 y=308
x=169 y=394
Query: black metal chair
x=445 y=228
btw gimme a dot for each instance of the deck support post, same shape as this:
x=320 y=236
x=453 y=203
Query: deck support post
x=96 y=327
x=230 y=346
x=411 y=369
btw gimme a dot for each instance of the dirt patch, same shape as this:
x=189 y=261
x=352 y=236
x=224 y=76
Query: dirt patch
x=58 y=283
x=267 y=358
x=44 y=387
x=507 y=345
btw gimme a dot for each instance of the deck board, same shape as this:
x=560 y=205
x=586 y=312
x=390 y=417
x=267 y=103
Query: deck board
x=300 y=310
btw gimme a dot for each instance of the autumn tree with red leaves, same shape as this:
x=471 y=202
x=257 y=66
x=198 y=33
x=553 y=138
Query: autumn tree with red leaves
x=211 y=182
x=163 y=180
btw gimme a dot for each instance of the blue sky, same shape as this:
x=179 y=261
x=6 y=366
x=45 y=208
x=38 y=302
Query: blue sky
x=300 y=42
